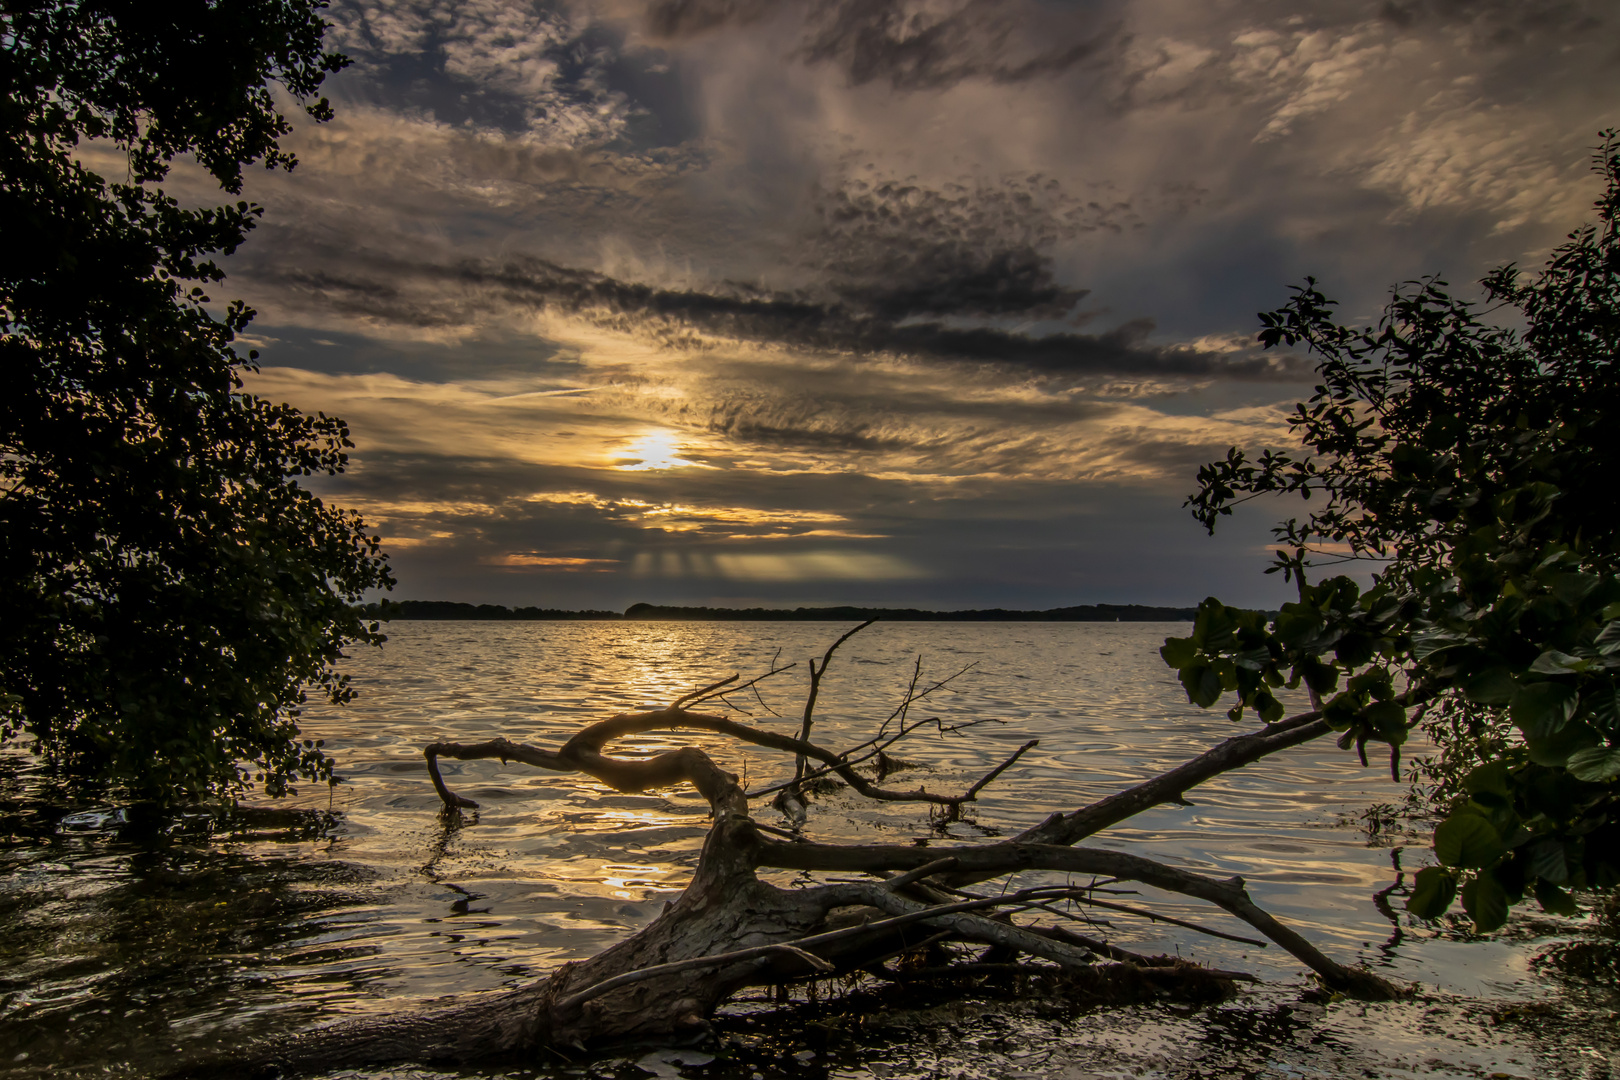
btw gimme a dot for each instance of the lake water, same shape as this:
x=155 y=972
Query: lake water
x=126 y=940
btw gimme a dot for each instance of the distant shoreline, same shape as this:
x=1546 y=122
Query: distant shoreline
x=448 y=610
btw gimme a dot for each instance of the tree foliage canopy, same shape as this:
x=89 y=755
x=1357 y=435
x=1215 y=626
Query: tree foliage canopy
x=1471 y=451
x=169 y=588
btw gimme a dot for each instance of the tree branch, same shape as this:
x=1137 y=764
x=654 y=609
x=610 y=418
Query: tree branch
x=815 y=688
x=583 y=753
x=992 y=859
x=1232 y=754
x=816 y=964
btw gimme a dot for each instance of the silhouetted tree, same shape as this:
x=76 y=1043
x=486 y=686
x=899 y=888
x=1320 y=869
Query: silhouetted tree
x=1474 y=461
x=168 y=587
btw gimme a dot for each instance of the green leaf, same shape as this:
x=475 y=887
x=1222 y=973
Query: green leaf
x=1202 y=683
x=1541 y=709
x=1553 y=662
x=1573 y=588
x=1467 y=840
x=1297 y=625
x=1548 y=860
x=1354 y=650
x=1493 y=686
x=1486 y=902
x=1178 y=652
x=1603 y=709
x=1432 y=892
x=1429 y=642
x=1388 y=718
x=1555 y=901
x=1555 y=750
x=1595 y=764
x=1608 y=641
x=1490 y=778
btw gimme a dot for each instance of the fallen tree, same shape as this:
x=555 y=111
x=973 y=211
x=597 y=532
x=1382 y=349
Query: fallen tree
x=729 y=929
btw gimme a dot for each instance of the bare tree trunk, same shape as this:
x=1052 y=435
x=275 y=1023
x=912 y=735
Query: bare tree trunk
x=729 y=930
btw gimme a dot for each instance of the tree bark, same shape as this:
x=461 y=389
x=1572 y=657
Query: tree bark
x=729 y=930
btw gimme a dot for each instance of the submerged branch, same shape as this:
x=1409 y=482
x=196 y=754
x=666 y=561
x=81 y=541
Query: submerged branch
x=995 y=859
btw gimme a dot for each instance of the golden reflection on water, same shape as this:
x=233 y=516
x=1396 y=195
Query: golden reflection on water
x=387 y=902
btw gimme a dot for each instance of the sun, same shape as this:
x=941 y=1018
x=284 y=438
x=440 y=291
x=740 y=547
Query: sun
x=654 y=450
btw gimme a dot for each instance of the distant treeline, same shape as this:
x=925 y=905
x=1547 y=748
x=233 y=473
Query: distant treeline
x=447 y=609
x=1082 y=613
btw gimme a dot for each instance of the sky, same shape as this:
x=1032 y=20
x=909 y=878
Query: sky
x=933 y=303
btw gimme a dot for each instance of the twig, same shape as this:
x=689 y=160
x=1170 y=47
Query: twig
x=1156 y=917
x=846 y=769
x=999 y=769
x=751 y=684
x=697 y=694
x=902 y=880
x=815 y=689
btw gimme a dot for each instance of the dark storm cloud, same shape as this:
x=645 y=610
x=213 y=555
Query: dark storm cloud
x=674 y=19
x=912 y=46
x=894 y=41
x=896 y=249
x=841 y=414
x=1498 y=21
x=436 y=296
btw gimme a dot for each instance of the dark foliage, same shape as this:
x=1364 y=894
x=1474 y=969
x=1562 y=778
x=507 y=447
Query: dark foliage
x=1473 y=460
x=168 y=587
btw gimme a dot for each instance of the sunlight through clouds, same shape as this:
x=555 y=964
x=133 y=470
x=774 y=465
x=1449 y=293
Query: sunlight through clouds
x=655 y=450
x=820 y=565
x=618 y=305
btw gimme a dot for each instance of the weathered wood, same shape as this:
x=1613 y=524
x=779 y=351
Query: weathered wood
x=729 y=930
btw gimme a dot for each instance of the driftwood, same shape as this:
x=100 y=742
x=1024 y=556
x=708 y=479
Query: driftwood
x=729 y=930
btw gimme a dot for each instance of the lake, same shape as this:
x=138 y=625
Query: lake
x=126 y=938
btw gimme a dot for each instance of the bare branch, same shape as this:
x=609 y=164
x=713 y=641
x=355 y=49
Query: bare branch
x=999 y=769
x=902 y=880
x=960 y=919
x=1156 y=917
x=992 y=859
x=815 y=689
x=1172 y=786
x=582 y=754
x=843 y=761
x=752 y=684
x=504 y=749
x=698 y=695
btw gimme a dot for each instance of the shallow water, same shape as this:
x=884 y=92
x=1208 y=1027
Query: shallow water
x=125 y=940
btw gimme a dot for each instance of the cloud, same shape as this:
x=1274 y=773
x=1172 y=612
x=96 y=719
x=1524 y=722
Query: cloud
x=897 y=249
x=619 y=293
x=670 y=20
x=528 y=69
x=908 y=44
x=439 y=297
x=915 y=45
